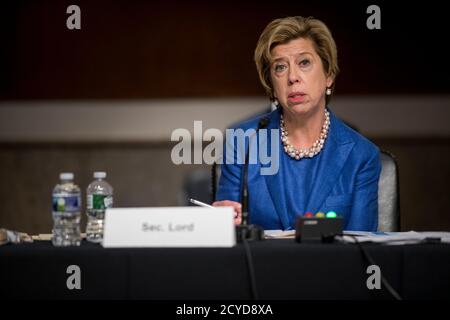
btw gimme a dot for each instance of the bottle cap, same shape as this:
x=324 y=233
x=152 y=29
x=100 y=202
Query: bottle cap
x=99 y=174
x=66 y=176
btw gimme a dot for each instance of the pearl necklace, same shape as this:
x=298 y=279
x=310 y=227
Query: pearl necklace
x=317 y=146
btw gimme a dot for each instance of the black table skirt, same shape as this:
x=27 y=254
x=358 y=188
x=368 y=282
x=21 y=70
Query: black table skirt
x=284 y=270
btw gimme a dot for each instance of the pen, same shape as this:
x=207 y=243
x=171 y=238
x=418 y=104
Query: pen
x=201 y=204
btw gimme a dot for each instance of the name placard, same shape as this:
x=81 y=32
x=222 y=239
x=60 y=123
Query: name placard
x=169 y=227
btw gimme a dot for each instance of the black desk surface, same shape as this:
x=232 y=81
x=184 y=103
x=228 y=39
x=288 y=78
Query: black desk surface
x=284 y=270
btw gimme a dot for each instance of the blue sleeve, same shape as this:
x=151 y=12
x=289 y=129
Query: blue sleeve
x=230 y=177
x=364 y=214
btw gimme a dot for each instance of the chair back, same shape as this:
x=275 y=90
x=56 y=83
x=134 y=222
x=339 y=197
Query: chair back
x=388 y=194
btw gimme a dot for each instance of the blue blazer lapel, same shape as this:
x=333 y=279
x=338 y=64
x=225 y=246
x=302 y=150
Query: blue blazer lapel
x=274 y=182
x=330 y=167
x=276 y=189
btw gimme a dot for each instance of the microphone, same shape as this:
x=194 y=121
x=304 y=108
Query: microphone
x=246 y=230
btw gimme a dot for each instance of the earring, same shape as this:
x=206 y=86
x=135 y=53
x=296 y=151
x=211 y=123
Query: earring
x=328 y=92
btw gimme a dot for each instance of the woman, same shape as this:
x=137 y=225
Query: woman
x=323 y=164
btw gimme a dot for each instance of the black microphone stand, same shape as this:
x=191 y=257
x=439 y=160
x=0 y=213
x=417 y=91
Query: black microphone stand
x=247 y=231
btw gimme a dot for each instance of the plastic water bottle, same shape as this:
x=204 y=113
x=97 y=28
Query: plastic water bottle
x=66 y=199
x=99 y=198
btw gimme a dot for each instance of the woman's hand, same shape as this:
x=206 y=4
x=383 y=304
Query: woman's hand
x=236 y=206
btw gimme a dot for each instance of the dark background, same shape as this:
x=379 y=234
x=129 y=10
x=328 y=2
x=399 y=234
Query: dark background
x=167 y=49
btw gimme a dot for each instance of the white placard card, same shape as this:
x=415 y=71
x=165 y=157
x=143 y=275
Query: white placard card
x=169 y=227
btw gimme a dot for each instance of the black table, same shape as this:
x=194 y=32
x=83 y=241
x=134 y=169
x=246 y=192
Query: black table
x=284 y=270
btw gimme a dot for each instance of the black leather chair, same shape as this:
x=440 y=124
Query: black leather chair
x=196 y=185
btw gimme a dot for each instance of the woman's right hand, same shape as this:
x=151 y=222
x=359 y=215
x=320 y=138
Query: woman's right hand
x=236 y=206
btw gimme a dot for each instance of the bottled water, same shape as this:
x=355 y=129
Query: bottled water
x=66 y=200
x=99 y=198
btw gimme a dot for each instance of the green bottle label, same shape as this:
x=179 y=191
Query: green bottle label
x=99 y=201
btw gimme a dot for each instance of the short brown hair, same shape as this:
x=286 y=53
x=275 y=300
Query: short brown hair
x=281 y=31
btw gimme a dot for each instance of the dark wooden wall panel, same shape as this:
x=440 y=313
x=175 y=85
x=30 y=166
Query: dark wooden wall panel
x=153 y=49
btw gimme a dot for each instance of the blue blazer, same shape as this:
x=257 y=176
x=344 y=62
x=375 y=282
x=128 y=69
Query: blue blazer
x=347 y=181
